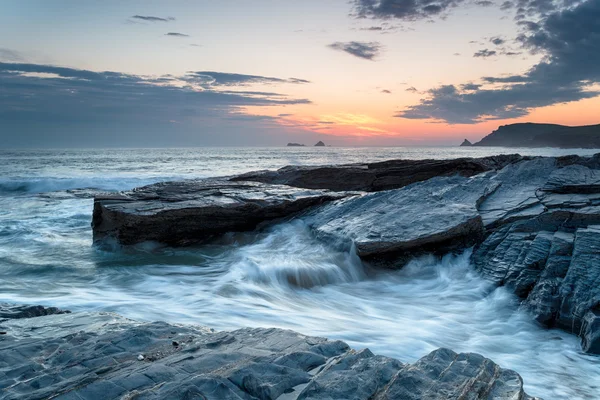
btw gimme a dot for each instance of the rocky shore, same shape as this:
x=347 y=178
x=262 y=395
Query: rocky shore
x=534 y=222
x=46 y=353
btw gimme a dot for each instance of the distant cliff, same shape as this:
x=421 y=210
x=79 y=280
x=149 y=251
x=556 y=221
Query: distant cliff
x=295 y=145
x=543 y=135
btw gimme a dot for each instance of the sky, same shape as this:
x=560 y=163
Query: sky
x=268 y=72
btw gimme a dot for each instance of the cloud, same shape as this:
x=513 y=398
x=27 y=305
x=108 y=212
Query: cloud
x=150 y=18
x=213 y=79
x=497 y=41
x=412 y=89
x=386 y=91
x=365 y=50
x=408 y=10
x=10 y=55
x=50 y=105
x=485 y=53
x=569 y=42
x=176 y=34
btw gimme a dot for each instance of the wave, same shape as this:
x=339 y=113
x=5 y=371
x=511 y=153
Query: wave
x=54 y=184
x=290 y=256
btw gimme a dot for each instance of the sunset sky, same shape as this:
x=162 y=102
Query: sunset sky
x=267 y=72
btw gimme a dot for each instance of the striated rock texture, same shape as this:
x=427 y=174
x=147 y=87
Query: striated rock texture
x=544 y=242
x=436 y=216
x=535 y=222
x=375 y=177
x=104 y=356
x=180 y=213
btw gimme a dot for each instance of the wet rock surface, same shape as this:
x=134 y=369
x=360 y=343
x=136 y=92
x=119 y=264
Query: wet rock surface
x=12 y=311
x=180 y=213
x=543 y=242
x=439 y=215
x=105 y=356
x=534 y=222
x=375 y=177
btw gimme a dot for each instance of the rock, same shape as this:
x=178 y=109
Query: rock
x=555 y=271
x=590 y=332
x=180 y=213
x=320 y=144
x=375 y=177
x=438 y=215
x=93 y=355
x=516 y=197
x=466 y=143
x=543 y=135
x=295 y=145
x=11 y=311
x=444 y=374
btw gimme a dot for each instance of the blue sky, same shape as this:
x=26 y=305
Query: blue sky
x=358 y=72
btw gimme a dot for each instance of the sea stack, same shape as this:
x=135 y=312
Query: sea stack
x=466 y=143
x=320 y=144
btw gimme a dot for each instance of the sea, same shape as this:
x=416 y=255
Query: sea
x=240 y=280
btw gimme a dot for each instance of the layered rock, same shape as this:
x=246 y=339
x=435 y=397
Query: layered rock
x=375 y=177
x=545 y=242
x=102 y=355
x=436 y=216
x=180 y=213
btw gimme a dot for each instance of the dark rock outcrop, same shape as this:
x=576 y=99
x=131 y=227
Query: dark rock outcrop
x=375 y=177
x=320 y=144
x=466 y=143
x=104 y=356
x=180 y=213
x=12 y=311
x=543 y=135
x=295 y=145
x=545 y=242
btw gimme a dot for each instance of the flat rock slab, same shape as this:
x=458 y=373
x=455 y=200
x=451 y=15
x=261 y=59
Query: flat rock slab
x=180 y=213
x=105 y=356
x=438 y=215
x=374 y=177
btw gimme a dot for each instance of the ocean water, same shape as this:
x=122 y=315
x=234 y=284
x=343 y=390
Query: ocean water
x=281 y=277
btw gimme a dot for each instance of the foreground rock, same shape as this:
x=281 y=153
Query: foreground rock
x=180 y=213
x=375 y=177
x=104 y=356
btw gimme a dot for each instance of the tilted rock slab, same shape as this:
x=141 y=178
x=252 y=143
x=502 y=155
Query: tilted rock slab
x=180 y=213
x=438 y=216
x=105 y=356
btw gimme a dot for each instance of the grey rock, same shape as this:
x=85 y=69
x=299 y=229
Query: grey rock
x=438 y=215
x=516 y=197
x=466 y=143
x=444 y=374
x=580 y=290
x=12 y=311
x=590 y=332
x=94 y=356
x=375 y=177
x=180 y=213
